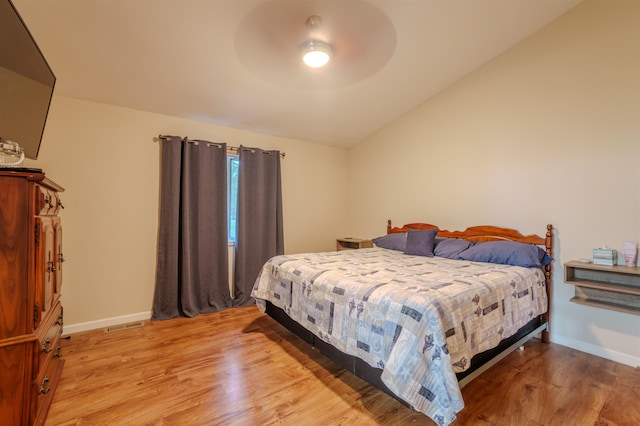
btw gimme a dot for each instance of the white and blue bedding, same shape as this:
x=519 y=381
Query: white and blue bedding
x=419 y=319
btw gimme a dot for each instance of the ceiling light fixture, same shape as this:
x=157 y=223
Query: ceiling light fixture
x=315 y=53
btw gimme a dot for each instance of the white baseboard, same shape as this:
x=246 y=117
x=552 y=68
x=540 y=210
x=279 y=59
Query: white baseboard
x=104 y=323
x=612 y=355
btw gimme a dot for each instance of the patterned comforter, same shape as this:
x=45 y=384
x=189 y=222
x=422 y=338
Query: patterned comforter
x=419 y=319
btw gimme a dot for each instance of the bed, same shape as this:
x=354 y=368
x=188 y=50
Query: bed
x=421 y=313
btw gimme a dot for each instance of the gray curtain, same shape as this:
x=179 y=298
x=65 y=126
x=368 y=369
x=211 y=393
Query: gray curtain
x=260 y=234
x=192 y=270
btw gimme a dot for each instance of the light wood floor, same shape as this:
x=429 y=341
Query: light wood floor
x=239 y=367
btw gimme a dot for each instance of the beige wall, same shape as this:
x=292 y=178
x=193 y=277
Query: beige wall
x=548 y=132
x=107 y=161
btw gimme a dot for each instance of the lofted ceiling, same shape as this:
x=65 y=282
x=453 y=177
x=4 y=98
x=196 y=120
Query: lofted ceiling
x=236 y=63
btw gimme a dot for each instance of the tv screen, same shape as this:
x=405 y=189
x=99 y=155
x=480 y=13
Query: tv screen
x=26 y=83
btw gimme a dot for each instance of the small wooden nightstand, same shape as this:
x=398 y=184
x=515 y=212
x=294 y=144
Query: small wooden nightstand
x=352 y=243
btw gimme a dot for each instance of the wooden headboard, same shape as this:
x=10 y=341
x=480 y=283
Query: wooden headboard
x=484 y=233
x=496 y=233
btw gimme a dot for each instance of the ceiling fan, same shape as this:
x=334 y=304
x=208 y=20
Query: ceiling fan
x=358 y=37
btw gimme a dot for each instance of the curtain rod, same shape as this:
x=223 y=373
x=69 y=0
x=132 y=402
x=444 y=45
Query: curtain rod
x=230 y=149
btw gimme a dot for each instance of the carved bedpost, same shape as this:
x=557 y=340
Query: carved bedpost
x=548 y=242
x=388 y=226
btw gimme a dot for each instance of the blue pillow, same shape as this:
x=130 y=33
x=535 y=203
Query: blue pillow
x=451 y=247
x=507 y=253
x=420 y=242
x=395 y=241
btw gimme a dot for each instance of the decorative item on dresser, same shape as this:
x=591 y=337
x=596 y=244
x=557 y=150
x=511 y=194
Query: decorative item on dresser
x=349 y=243
x=30 y=287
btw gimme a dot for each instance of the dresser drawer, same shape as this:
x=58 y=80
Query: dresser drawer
x=47 y=201
x=48 y=361
x=49 y=337
x=45 y=386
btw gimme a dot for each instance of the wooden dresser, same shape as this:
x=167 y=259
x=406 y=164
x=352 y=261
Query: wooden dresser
x=30 y=286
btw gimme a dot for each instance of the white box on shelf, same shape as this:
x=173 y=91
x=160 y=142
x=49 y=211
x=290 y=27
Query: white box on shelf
x=605 y=256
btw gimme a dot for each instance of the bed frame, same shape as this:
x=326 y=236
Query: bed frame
x=480 y=362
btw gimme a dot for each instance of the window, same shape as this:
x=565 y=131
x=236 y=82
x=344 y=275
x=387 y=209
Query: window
x=233 y=164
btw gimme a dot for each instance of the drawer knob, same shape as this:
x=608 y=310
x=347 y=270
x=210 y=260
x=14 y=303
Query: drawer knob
x=45 y=387
x=58 y=353
x=46 y=346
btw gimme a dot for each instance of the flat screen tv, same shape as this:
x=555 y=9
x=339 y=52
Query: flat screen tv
x=26 y=83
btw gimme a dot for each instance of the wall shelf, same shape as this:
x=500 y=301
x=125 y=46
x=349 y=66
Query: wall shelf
x=610 y=287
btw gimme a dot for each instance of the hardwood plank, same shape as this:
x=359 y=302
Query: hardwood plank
x=621 y=406
x=239 y=367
